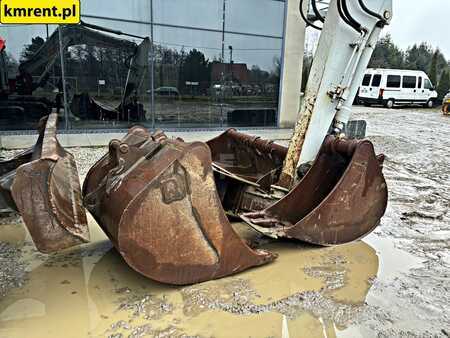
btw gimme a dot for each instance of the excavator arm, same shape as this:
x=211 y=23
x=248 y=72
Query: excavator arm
x=74 y=35
x=92 y=35
x=349 y=35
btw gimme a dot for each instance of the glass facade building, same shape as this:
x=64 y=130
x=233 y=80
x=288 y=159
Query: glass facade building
x=210 y=63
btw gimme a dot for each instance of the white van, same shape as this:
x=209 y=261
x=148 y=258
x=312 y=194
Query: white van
x=389 y=87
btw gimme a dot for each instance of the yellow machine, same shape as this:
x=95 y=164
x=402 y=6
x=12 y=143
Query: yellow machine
x=446 y=105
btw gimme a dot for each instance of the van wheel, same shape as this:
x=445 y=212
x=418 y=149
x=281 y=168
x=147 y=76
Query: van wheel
x=429 y=104
x=389 y=103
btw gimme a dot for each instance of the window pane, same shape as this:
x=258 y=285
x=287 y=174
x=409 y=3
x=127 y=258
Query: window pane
x=409 y=82
x=138 y=10
x=193 y=13
x=194 y=88
x=420 y=83
x=393 y=81
x=255 y=78
x=376 y=80
x=428 y=84
x=366 y=80
x=255 y=16
x=184 y=92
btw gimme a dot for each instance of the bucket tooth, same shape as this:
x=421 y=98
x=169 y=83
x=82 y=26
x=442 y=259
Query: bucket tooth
x=47 y=193
x=157 y=201
x=341 y=199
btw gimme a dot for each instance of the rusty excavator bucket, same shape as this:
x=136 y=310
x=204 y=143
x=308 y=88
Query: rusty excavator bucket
x=157 y=201
x=42 y=184
x=340 y=199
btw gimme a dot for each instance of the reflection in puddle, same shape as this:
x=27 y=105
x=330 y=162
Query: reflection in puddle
x=314 y=291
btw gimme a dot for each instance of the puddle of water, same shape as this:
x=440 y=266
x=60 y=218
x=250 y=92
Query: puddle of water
x=91 y=291
x=394 y=264
x=13 y=234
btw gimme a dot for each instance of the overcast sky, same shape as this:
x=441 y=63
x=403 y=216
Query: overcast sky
x=421 y=20
x=414 y=21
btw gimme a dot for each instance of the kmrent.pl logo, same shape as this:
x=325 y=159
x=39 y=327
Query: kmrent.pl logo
x=39 y=11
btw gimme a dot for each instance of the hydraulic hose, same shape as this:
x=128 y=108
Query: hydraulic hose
x=316 y=11
x=308 y=23
x=350 y=20
x=341 y=13
x=383 y=21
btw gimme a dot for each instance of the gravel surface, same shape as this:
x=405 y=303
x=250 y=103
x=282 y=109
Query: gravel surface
x=241 y=296
x=87 y=157
x=12 y=269
x=417 y=170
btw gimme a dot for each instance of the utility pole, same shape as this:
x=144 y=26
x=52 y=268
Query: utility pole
x=222 y=79
x=223 y=31
x=231 y=61
x=152 y=68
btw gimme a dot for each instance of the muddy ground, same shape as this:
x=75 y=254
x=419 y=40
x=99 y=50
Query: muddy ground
x=417 y=169
x=394 y=283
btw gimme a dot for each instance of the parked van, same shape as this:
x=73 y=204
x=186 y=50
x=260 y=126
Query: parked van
x=389 y=87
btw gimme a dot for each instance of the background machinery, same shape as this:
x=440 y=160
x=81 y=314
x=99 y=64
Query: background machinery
x=16 y=94
x=446 y=104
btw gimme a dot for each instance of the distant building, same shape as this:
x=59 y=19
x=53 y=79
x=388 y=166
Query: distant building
x=237 y=72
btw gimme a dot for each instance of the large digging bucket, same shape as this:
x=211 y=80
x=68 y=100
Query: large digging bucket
x=157 y=201
x=341 y=199
x=47 y=193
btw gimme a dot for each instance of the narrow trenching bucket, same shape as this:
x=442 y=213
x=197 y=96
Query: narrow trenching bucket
x=341 y=198
x=47 y=193
x=157 y=201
